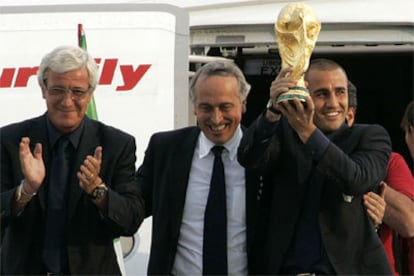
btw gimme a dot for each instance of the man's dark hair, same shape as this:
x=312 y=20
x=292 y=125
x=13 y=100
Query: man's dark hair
x=407 y=122
x=352 y=95
x=323 y=64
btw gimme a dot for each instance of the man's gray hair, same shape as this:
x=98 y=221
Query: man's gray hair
x=67 y=58
x=221 y=68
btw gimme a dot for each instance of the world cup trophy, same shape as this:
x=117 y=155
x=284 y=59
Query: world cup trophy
x=297 y=29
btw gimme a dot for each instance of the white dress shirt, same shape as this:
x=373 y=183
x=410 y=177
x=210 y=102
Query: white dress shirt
x=189 y=256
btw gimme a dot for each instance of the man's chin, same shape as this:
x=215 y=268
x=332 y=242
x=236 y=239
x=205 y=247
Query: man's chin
x=330 y=128
x=217 y=139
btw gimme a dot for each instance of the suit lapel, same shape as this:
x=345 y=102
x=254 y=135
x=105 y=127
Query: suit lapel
x=253 y=183
x=341 y=139
x=180 y=170
x=38 y=134
x=87 y=144
x=303 y=163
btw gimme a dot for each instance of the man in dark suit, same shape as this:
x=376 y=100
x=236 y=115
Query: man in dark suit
x=321 y=168
x=176 y=172
x=67 y=182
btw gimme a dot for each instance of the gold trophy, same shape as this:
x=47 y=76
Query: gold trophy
x=297 y=29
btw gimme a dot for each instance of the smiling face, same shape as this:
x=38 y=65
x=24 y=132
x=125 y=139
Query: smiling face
x=218 y=107
x=329 y=92
x=64 y=111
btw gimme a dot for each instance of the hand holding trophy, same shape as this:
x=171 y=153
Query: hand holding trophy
x=297 y=29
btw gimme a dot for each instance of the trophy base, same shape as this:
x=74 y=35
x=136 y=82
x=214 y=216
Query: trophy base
x=296 y=92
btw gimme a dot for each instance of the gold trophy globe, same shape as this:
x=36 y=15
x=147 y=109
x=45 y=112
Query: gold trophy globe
x=297 y=29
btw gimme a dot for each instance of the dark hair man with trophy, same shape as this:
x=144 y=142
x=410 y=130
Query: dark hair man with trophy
x=314 y=221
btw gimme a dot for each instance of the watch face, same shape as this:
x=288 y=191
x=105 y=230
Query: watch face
x=99 y=192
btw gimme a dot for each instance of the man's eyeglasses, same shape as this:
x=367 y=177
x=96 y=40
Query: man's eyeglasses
x=77 y=94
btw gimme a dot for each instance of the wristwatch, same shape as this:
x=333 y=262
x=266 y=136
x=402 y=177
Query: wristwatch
x=99 y=192
x=270 y=107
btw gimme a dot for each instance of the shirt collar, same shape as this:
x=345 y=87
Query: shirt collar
x=231 y=146
x=73 y=137
x=331 y=135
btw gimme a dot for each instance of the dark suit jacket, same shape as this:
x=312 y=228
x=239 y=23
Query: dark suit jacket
x=89 y=234
x=163 y=177
x=354 y=162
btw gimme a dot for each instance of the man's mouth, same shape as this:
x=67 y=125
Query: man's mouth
x=332 y=114
x=217 y=128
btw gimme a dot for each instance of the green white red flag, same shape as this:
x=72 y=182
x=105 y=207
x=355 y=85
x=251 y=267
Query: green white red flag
x=91 y=111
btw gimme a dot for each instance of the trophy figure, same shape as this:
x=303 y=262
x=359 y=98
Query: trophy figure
x=297 y=29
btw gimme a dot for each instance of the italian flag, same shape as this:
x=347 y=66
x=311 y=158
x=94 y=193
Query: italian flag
x=91 y=111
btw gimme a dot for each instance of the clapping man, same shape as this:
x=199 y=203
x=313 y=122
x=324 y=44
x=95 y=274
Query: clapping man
x=67 y=182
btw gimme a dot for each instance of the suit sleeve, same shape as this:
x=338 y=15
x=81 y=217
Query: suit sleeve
x=356 y=170
x=260 y=145
x=363 y=168
x=10 y=174
x=145 y=178
x=125 y=204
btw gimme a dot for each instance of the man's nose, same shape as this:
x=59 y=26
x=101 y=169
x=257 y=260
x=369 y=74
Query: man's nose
x=332 y=99
x=217 y=115
x=68 y=95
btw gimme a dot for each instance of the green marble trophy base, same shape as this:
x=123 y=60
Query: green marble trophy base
x=297 y=92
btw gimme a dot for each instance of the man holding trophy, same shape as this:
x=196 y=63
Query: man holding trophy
x=313 y=220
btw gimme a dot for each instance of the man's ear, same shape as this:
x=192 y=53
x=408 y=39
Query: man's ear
x=244 y=106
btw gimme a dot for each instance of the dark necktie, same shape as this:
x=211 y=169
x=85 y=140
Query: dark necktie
x=54 y=251
x=215 y=221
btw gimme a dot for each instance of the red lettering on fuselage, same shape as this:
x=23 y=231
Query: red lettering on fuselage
x=23 y=76
x=130 y=77
x=108 y=71
x=6 y=77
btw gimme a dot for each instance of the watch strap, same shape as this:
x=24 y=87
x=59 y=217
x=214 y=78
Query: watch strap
x=272 y=109
x=99 y=192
